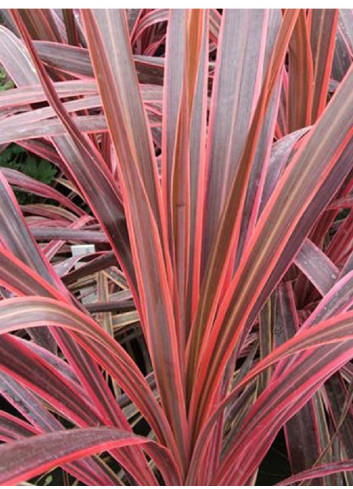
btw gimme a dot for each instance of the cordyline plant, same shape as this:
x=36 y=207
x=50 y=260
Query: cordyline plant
x=208 y=156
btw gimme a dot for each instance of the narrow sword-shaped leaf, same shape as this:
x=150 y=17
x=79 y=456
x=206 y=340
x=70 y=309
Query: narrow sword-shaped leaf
x=323 y=26
x=343 y=55
x=25 y=182
x=345 y=23
x=132 y=117
x=172 y=92
x=300 y=89
x=198 y=136
x=76 y=61
x=53 y=128
x=71 y=26
x=303 y=429
x=30 y=94
x=236 y=88
x=185 y=164
x=41 y=453
x=340 y=409
x=107 y=36
x=262 y=157
x=322 y=470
